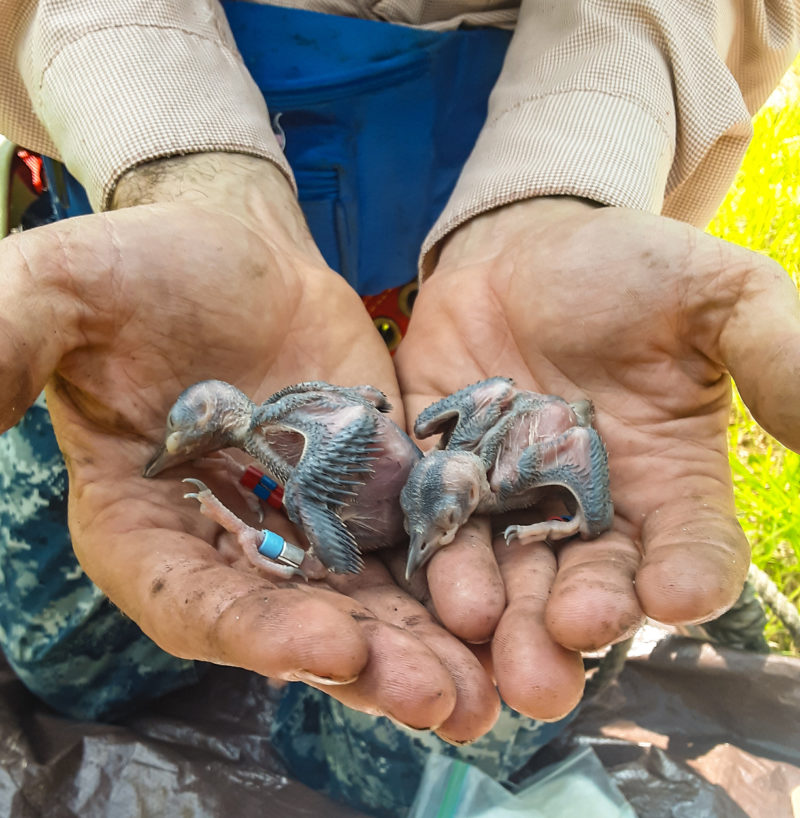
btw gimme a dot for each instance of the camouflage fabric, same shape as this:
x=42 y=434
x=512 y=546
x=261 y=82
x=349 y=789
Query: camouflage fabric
x=376 y=766
x=59 y=632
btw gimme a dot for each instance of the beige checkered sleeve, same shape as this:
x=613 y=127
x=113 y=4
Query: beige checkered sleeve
x=108 y=85
x=636 y=103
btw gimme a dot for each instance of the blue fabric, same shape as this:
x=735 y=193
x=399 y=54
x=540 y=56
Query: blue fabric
x=67 y=196
x=379 y=120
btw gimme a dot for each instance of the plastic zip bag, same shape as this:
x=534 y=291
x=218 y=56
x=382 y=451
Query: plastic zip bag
x=574 y=788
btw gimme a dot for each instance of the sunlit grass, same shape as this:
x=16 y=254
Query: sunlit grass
x=762 y=212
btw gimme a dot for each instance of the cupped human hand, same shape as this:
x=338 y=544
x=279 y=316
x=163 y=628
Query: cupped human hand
x=649 y=318
x=212 y=275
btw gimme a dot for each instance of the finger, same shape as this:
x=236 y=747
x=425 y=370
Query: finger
x=196 y=608
x=476 y=705
x=403 y=679
x=695 y=563
x=535 y=675
x=760 y=343
x=465 y=585
x=191 y=604
x=593 y=602
x=461 y=585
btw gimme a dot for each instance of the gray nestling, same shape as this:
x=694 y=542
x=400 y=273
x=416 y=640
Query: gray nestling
x=501 y=449
x=341 y=459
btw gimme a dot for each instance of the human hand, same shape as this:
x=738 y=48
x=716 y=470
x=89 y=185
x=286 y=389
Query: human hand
x=214 y=275
x=646 y=316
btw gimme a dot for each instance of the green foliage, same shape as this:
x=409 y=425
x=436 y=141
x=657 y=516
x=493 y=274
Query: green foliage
x=766 y=484
x=762 y=207
x=762 y=212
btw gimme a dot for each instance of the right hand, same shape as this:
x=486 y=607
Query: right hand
x=647 y=317
x=214 y=275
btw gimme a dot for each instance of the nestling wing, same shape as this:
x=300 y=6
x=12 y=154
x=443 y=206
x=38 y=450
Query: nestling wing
x=464 y=417
x=438 y=418
x=329 y=475
x=333 y=544
x=310 y=391
x=577 y=461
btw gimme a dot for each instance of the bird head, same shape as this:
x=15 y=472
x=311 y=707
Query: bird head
x=441 y=493
x=208 y=416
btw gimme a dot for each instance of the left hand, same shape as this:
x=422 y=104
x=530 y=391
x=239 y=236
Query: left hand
x=213 y=275
x=646 y=317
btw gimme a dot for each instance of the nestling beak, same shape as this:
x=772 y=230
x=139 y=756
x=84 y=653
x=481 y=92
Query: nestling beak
x=419 y=552
x=423 y=547
x=165 y=457
x=158 y=462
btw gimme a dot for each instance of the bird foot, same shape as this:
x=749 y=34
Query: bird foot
x=265 y=549
x=558 y=528
x=232 y=470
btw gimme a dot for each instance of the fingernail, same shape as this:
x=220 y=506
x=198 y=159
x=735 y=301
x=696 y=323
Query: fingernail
x=314 y=679
x=406 y=727
x=456 y=742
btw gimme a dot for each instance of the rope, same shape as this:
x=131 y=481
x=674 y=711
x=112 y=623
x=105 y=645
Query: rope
x=742 y=626
x=609 y=667
x=781 y=606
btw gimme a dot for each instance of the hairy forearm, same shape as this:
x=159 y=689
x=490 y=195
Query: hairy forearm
x=198 y=178
x=252 y=189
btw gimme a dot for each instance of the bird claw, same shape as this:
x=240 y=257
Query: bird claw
x=199 y=484
x=548 y=531
x=286 y=566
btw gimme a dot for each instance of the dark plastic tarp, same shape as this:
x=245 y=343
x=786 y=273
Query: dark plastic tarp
x=688 y=731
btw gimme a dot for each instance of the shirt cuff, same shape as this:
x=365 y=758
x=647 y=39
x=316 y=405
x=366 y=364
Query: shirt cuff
x=188 y=93
x=589 y=144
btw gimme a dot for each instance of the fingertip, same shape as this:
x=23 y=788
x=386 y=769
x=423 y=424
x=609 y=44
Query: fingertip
x=286 y=633
x=690 y=584
x=605 y=616
x=593 y=602
x=465 y=584
x=478 y=705
x=471 y=720
x=315 y=638
x=412 y=685
x=535 y=676
x=695 y=564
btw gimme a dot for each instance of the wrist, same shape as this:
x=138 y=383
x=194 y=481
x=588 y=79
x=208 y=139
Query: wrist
x=251 y=189
x=486 y=236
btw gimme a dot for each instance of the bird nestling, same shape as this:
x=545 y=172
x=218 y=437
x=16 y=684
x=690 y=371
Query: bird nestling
x=504 y=448
x=341 y=459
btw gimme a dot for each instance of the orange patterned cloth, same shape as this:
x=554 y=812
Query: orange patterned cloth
x=390 y=311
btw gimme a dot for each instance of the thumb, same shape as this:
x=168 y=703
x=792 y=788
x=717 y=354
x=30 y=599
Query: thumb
x=760 y=346
x=40 y=312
